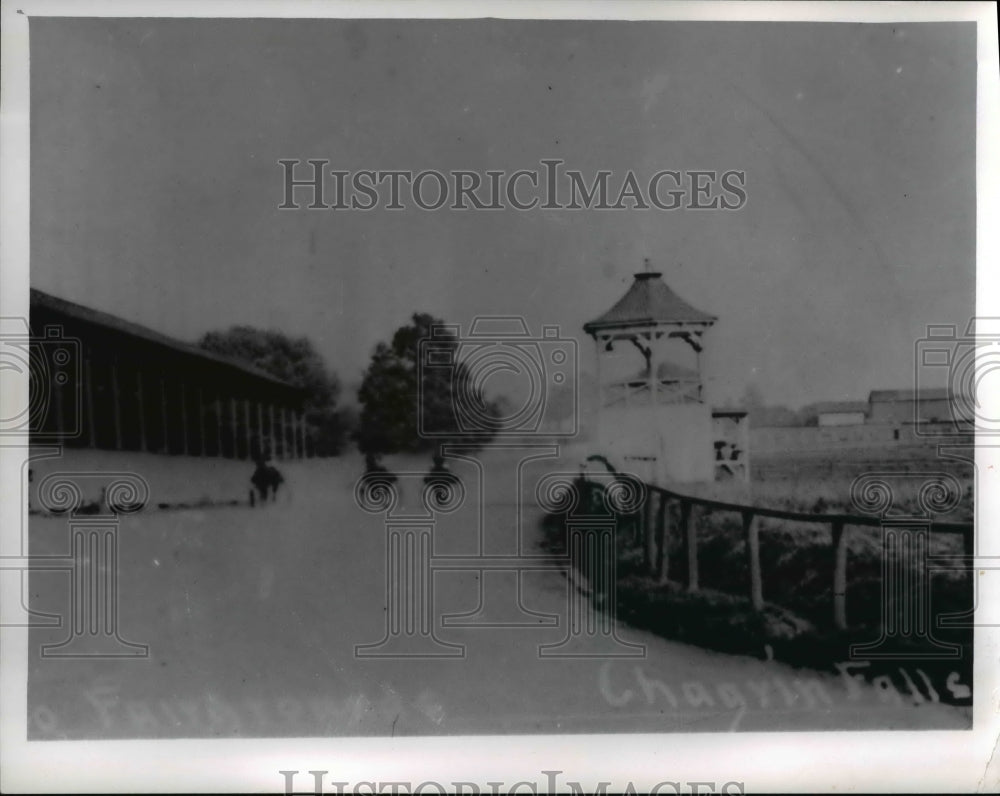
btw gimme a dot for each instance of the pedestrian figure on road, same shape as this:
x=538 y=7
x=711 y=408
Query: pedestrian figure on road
x=438 y=469
x=265 y=479
x=376 y=478
x=372 y=465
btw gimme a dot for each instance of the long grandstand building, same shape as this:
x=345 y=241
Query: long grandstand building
x=98 y=381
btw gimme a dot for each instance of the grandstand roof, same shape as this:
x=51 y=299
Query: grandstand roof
x=104 y=320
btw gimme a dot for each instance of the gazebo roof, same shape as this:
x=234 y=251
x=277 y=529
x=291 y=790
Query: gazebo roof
x=649 y=301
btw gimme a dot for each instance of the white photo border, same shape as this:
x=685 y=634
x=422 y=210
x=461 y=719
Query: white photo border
x=782 y=761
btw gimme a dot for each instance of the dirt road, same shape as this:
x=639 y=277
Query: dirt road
x=253 y=616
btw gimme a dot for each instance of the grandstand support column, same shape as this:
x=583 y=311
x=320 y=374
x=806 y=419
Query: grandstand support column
x=57 y=396
x=234 y=424
x=260 y=429
x=184 y=420
x=117 y=400
x=270 y=430
x=284 y=434
x=88 y=397
x=201 y=422
x=247 y=432
x=218 y=424
x=142 y=410
x=164 y=411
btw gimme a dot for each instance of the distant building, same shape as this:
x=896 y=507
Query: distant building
x=915 y=406
x=841 y=413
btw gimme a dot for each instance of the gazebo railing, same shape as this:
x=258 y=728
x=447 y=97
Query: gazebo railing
x=637 y=392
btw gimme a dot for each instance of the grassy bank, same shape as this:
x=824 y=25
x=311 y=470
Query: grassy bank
x=796 y=624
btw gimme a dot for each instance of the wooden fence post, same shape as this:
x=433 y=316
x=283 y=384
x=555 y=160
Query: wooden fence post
x=691 y=544
x=637 y=518
x=649 y=532
x=752 y=536
x=661 y=562
x=839 y=575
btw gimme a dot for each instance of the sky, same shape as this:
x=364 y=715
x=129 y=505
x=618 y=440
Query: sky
x=155 y=181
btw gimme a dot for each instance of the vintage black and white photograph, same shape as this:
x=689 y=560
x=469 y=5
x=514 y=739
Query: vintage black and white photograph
x=427 y=377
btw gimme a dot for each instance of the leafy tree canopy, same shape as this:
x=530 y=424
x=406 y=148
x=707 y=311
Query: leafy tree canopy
x=396 y=394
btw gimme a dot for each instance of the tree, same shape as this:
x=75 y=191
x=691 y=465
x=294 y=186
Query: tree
x=295 y=361
x=396 y=395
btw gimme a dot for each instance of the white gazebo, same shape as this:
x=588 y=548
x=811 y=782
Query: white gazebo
x=653 y=420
